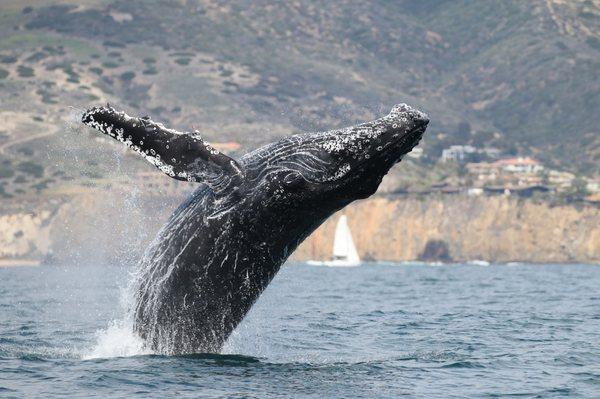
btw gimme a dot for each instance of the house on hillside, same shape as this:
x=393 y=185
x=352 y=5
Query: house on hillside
x=520 y=172
x=593 y=199
x=520 y=165
x=491 y=152
x=457 y=153
x=466 y=153
x=560 y=180
x=483 y=171
x=593 y=186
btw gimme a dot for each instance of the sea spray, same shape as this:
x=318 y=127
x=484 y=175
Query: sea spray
x=118 y=339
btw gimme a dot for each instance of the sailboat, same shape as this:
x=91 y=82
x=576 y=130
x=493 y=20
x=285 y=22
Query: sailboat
x=344 y=251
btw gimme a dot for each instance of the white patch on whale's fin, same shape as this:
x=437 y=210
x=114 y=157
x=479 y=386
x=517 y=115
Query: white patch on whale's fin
x=183 y=156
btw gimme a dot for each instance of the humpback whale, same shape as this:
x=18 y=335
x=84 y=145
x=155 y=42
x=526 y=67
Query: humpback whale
x=220 y=249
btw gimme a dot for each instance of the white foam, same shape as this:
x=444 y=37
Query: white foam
x=118 y=340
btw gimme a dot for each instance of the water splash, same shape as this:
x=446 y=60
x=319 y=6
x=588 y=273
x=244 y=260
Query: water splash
x=118 y=340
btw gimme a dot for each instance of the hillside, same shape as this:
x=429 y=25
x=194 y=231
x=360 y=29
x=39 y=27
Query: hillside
x=521 y=76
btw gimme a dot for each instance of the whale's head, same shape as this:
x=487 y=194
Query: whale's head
x=334 y=167
x=359 y=157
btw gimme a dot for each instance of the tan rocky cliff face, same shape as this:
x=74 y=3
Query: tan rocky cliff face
x=25 y=235
x=488 y=228
x=116 y=227
x=103 y=226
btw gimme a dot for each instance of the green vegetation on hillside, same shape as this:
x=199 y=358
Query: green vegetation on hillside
x=518 y=76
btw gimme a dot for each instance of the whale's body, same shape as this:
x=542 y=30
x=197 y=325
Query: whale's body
x=222 y=247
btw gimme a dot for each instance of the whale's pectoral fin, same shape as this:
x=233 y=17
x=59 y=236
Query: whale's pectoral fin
x=183 y=156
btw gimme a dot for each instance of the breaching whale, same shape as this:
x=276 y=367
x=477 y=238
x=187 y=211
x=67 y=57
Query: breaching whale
x=222 y=247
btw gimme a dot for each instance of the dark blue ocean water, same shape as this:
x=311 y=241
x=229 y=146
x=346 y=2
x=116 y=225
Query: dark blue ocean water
x=373 y=331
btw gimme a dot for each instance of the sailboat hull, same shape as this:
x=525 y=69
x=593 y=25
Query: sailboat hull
x=333 y=263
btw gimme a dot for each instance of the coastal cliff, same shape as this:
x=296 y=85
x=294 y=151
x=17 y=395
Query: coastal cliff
x=500 y=229
x=116 y=227
x=25 y=235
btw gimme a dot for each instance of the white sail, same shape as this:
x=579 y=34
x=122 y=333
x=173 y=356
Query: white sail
x=343 y=245
x=344 y=251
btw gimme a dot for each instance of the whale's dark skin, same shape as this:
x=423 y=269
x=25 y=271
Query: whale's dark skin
x=222 y=247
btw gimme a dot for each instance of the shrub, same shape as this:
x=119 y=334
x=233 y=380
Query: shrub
x=110 y=64
x=40 y=186
x=3 y=193
x=593 y=42
x=36 y=57
x=49 y=99
x=92 y=174
x=31 y=168
x=24 y=71
x=6 y=171
x=8 y=59
x=127 y=76
x=25 y=151
x=110 y=43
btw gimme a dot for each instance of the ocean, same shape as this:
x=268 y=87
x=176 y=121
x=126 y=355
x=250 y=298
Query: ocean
x=375 y=331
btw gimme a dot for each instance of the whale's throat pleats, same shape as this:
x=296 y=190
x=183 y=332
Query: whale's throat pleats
x=183 y=156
